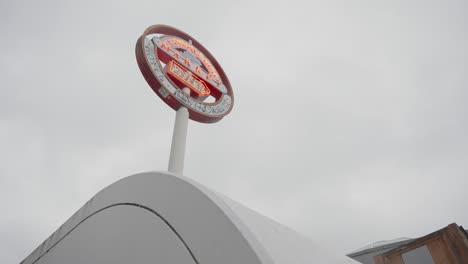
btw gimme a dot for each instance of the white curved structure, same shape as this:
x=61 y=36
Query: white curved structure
x=162 y=218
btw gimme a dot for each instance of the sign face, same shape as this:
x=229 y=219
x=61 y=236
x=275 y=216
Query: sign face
x=171 y=60
x=191 y=80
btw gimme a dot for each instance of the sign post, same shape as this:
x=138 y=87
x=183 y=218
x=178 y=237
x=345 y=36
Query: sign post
x=179 y=137
x=186 y=77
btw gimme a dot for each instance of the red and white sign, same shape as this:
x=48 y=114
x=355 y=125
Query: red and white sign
x=191 y=80
x=171 y=60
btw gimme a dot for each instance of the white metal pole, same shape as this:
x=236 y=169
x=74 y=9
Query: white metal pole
x=179 y=137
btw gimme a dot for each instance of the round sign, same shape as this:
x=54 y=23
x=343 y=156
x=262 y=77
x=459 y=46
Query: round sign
x=183 y=73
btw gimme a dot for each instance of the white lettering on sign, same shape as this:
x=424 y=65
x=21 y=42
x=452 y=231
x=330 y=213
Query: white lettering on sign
x=188 y=78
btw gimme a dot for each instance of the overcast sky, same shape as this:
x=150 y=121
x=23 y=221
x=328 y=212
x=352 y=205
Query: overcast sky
x=349 y=124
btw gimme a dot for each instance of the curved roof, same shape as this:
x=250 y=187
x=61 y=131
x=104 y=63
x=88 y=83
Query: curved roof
x=213 y=229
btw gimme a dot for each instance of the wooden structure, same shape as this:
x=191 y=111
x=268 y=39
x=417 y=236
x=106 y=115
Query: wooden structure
x=446 y=246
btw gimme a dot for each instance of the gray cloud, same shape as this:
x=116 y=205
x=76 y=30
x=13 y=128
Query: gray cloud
x=349 y=123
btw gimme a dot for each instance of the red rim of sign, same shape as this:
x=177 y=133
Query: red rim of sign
x=168 y=89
